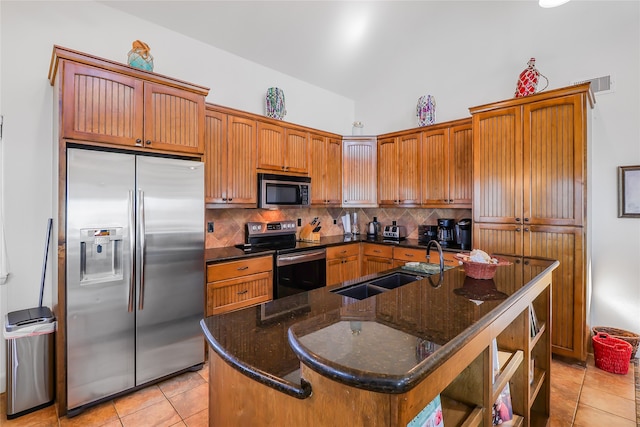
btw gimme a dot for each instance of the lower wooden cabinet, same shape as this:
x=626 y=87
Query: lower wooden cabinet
x=236 y=284
x=343 y=263
x=376 y=258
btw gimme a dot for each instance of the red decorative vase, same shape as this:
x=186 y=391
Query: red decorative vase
x=528 y=80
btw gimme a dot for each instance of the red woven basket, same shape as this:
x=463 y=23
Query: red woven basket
x=611 y=354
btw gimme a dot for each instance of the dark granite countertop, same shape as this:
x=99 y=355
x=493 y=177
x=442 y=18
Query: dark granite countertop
x=387 y=343
x=229 y=253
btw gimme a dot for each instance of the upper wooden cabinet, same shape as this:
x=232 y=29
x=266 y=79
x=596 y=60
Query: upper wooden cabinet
x=325 y=170
x=529 y=160
x=107 y=102
x=399 y=170
x=359 y=172
x=282 y=149
x=447 y=165
x=230 y=160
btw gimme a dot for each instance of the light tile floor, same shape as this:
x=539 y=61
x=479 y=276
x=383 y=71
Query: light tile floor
x=580 y=397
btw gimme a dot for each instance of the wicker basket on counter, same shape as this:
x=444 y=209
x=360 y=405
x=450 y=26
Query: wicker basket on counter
x=481 y=270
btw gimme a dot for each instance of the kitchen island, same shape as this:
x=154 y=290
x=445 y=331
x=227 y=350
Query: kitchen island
x=322 y=359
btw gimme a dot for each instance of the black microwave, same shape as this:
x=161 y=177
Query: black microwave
x=281 y=191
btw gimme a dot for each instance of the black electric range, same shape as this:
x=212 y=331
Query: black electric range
x=298 y=267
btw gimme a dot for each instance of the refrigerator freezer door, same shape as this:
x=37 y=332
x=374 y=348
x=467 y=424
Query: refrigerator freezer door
x=171 y=242
x=100 y=328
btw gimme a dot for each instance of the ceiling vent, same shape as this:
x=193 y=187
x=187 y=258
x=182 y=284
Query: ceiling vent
x=599 y=85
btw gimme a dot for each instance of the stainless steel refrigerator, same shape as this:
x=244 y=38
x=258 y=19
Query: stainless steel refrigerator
x=135 y=271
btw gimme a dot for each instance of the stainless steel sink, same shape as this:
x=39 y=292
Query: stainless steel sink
x=361 y=291
x=377 y=286
x=395 y=280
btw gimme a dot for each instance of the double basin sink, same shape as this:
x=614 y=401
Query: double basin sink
x=377 y=286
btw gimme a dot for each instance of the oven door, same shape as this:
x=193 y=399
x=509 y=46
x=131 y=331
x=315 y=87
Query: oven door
x=299 y=272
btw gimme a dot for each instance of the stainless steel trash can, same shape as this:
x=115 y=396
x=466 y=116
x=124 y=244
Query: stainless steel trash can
x=30 y=363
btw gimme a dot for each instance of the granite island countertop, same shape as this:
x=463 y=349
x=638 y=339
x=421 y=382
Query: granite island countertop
x=387 y=343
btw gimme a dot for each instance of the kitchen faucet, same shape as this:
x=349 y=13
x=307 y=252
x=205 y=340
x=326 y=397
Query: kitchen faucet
x=435 y=242
x=439 y=253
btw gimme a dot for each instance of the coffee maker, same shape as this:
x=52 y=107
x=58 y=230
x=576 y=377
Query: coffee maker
x=446 y=232
x=463 y=231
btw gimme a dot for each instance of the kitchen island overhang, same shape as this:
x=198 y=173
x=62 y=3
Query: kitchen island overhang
x=451 y=325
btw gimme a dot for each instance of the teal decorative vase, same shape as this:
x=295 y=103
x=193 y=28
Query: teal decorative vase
x=139 y=56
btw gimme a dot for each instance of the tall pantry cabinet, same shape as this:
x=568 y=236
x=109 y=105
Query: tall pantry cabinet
x=529 y=198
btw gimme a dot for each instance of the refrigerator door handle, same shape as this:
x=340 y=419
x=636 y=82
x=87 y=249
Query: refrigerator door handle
x=143 y=247
x=132 y=253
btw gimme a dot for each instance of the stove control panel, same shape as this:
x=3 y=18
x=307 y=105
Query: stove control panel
x=270 y=228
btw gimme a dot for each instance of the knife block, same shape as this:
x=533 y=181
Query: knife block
x=307 y=234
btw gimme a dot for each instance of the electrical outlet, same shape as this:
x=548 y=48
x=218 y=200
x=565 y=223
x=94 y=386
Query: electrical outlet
x=210 y=227
x=335 y=221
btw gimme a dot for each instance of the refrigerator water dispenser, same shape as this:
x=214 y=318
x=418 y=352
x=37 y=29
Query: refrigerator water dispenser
x=100 y=255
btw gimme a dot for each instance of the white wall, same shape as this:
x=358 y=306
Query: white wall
x=28 y=32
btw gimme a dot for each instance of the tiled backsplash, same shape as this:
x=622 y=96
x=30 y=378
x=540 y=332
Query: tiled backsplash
x=229 y=223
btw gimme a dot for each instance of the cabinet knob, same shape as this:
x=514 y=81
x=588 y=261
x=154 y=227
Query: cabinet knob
x=526 y=229
x=231 y=199
x=242 y=268
x=138 y=141
x=526 y=263
x=517 y=219
x=148 y=142
x=450 y=200
x=242 y=292
x=518 y=229
x=518 y=261
x=526 y=220
x=224 y=199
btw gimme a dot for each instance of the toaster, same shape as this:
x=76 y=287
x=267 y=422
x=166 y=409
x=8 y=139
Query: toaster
x=394 y=232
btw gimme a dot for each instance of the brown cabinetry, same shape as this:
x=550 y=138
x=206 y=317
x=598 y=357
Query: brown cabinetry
x=282 y=149
x=236 y=284
x=325 y=169
x=343 y=263
x=399 y=170
x=529 y=196
x=359 y=172
x=447 y=159
x=230 y=160
x=376 y=258
x=109 y=103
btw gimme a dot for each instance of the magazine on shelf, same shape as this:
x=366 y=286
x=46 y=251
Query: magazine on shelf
x=430 y=416
x=501 y=410
x=535 y=325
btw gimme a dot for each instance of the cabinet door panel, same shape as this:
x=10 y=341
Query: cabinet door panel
x=333 y=180
x=435 y=175
x=461 y=165
x=359 y=173
x=296 y=151
x=497 y=166
x=503 y=239
x=374 y=264
x=387 y=172
x=173 y=119
x=318 y=169
x=271 y=147
x=215 y=164
x=568 y=292
x=241 y=149
x=409 y=169
x=554 y=161
x=101 y=106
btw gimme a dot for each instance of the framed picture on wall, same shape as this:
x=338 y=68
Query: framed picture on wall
x=629 y=192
